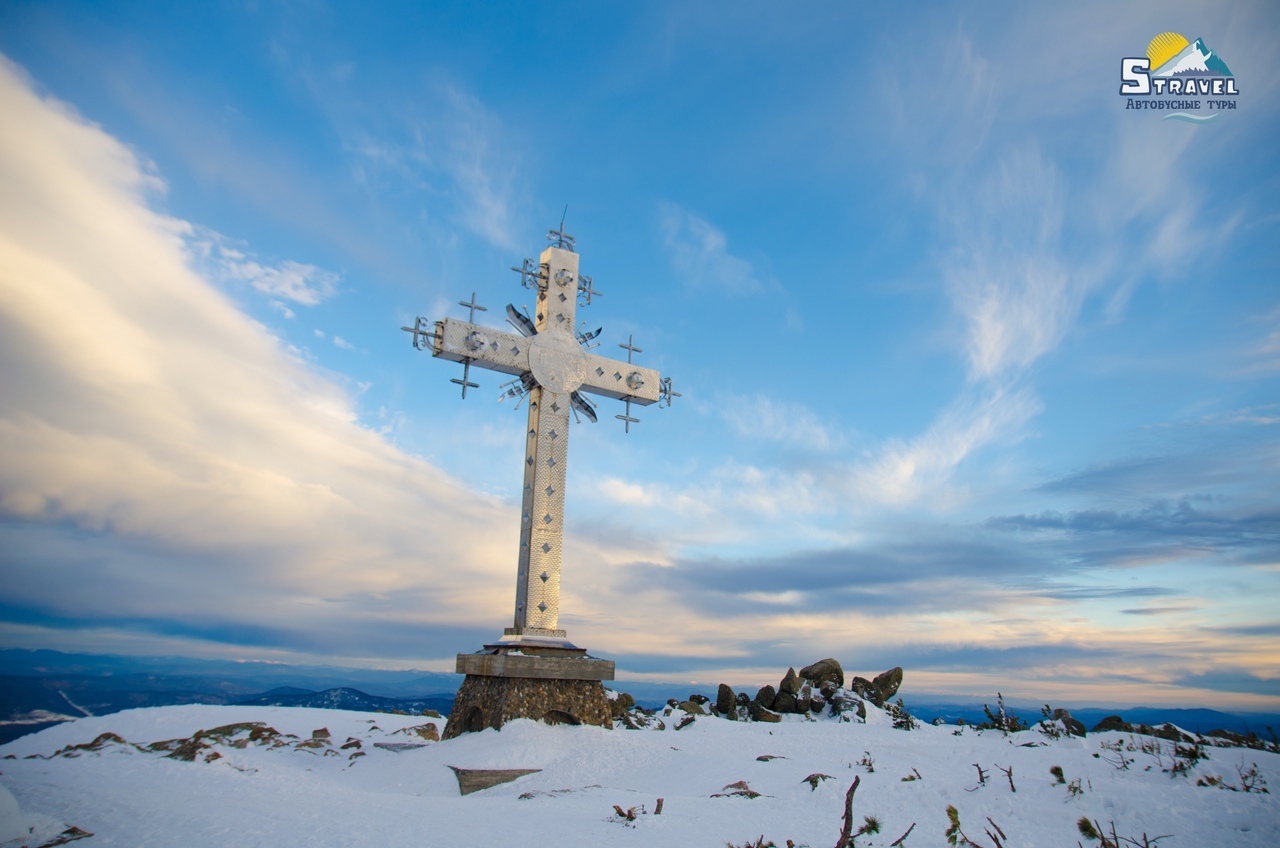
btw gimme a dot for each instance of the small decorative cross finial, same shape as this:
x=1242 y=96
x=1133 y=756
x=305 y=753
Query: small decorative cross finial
x=585 y=290
x=559 y=238
x=530 y=274
x=666 y=392
x=419 y=334
x=473 y=306
x=630 y=348
x=465 y=381
x=626 y=418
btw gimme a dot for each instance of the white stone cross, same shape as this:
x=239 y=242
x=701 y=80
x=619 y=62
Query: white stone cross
x=552 y=368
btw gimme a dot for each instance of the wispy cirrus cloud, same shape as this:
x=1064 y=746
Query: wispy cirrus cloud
x=905 y=471
x=484 y=168
x=1006 y=273
x=1264 y=354
x=444 y=143
x=761 y=418
x=700 y=253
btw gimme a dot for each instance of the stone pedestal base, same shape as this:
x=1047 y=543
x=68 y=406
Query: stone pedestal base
x=485 y=701
x=543 y=679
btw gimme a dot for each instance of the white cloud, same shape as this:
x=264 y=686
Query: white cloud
x=1006 y=276
x=281 y=308
x=220 y=259
x=1265 y=352
x=446 y=144
x=339 y=341
x=178 y=462
x=700 y=254
x=908 y=471
x=735 y=505
x=1266 y=414
x=294 y=281
x=765 y=419
x=483 y=170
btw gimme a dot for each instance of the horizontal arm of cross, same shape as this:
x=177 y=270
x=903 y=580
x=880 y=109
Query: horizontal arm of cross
x=462 y=341
x=619 y=380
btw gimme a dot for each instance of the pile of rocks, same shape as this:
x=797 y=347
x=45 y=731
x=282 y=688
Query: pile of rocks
x=817 y=687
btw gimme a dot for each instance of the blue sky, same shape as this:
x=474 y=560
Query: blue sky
x=980 y=371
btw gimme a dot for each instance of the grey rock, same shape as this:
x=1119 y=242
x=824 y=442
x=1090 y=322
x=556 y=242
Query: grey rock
x=790 y=683
x=726 y=702
x=887 y=684
x=1074 y=726
x=765 y=697
x=692 y=708
x=1114 y=722
x=822 y=671
x=762 y=714
x=880 y=690
x=621 y=704
x=803 y=697
x=861 y=687
x=633 y=721
x=843 y=701
x=785 y=702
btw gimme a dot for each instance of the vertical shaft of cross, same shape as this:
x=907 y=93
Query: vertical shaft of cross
x=542 y=512
x=542 y=515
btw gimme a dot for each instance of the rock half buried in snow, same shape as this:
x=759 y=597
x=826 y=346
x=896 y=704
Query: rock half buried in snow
x=397 y=747
x=1074 y=726
x=726 y=702
x=473 y=780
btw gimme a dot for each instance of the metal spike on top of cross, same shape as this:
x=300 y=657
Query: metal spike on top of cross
x=553 y=369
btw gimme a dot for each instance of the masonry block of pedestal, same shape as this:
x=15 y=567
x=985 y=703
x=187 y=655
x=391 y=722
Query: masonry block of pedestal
x=535 y=667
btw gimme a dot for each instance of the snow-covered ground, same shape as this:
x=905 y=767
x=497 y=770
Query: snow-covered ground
x=291 y=789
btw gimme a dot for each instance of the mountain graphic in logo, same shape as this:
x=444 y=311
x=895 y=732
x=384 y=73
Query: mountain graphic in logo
x=1172 y=55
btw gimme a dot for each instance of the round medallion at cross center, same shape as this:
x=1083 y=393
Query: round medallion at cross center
x=558 y=362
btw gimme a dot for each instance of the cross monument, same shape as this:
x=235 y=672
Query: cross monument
x=534 y=671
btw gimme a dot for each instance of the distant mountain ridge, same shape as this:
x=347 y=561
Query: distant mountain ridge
x=346 y=698
x=41 y=688
x=236 y=678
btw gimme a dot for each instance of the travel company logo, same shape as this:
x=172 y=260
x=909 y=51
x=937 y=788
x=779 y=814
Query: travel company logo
x=1184 y=78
